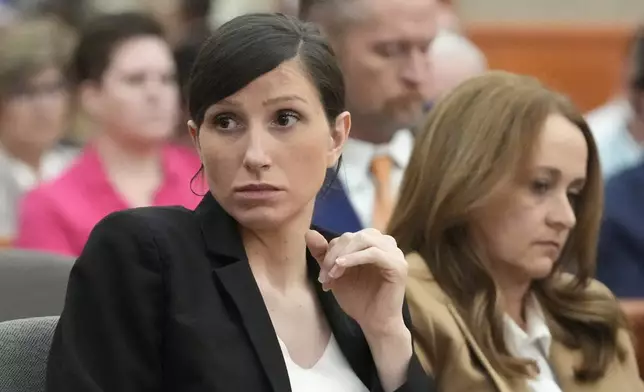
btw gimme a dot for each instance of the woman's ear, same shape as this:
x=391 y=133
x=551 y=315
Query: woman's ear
x=339 y=135
x=193 y=129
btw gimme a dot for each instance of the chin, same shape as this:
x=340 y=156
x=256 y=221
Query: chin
x=259 y=218
x=541 y=267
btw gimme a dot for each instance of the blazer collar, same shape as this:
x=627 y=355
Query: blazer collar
x=230 y=267
x=562 y=359
x=220 y=232
x=419 y=269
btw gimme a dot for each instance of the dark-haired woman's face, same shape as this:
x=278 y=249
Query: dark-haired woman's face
x=267 y=147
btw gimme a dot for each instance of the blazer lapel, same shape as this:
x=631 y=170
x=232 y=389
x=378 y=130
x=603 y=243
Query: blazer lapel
x=231 y=268
x=563 y=362
x=238 y=280
x=499 y=383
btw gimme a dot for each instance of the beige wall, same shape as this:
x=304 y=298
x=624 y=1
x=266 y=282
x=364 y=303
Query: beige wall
x=608 y=11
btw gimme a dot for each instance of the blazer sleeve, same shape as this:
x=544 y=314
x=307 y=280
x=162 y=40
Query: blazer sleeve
x=108 y=338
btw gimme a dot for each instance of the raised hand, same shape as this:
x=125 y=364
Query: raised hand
x=366 y=272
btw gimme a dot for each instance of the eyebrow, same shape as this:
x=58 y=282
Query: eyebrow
x=577 y=182
x=267 y=102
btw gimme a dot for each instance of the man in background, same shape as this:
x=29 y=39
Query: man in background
x=620 y=139
x=382 y=47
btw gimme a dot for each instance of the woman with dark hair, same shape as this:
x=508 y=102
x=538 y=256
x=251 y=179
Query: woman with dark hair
x=498 y=215
x=227 y=297
x=124 y=76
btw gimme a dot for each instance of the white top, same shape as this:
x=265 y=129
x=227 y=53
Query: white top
x=533 y=343
x=355 y=172
x=609 y=116
x=617 y=149
x=17 y=178
x=331 y=373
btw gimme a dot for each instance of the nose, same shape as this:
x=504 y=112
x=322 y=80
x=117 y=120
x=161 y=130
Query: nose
x=256 y=157
x=415 y=71
x=562 y=216
x=153 y=90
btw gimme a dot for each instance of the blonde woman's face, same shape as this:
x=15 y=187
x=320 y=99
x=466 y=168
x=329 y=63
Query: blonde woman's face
x=525 y=225
x=34 y=116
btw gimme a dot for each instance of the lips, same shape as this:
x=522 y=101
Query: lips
x=257 y=187
x=553 y=248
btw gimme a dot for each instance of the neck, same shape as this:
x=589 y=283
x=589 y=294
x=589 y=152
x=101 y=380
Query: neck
x=277 y=256
x=121 y=158
x=514 y=297
x=370 y=132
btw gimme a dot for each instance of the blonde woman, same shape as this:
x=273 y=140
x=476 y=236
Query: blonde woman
x=34 y=112
x=502 y=196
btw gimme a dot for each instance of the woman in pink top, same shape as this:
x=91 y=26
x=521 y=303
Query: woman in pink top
x=124 y=73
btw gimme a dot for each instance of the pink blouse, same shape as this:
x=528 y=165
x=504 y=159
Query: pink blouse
x=58 y=216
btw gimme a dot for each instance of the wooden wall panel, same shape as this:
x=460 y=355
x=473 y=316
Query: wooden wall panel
x=582 y=61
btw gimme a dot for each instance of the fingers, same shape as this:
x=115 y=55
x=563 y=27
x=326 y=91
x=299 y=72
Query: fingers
x=317 y=245
x=368 y=246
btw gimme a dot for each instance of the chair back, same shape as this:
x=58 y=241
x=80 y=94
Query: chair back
x=32 y=284
x=23 y=358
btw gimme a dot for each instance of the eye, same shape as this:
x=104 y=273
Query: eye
x=225 y=122
x=389 y=49
x=286 y=119
x=574 y=197
x=540 y=187
x=135 y=79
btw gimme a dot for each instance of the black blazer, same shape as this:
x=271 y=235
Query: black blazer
x=163 y=299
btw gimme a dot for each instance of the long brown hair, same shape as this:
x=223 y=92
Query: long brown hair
x=474 y=140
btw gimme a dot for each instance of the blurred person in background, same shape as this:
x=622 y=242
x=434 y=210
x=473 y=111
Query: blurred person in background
x=382 y=48
x=8 y=14
x=185 y=22
x=621 y=243
x=620 y=260
x=193 y=16
x=447 y=19
x=288 y=7
x=34 y=109
x=619 y=131
x=195 y=25
x=454 y=59
x=124 y=76
x=502 y=197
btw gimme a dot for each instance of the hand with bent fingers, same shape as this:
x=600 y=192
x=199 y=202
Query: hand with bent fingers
x=367 y=273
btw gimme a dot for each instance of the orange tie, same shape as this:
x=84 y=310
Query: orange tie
x=383 y=201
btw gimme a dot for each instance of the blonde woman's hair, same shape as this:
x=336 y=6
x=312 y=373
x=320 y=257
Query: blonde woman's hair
x=30 y=46
x=475 y=139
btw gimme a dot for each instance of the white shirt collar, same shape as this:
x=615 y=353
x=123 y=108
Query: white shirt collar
x=52 y=164
x=536 y=333
x=359 y=153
